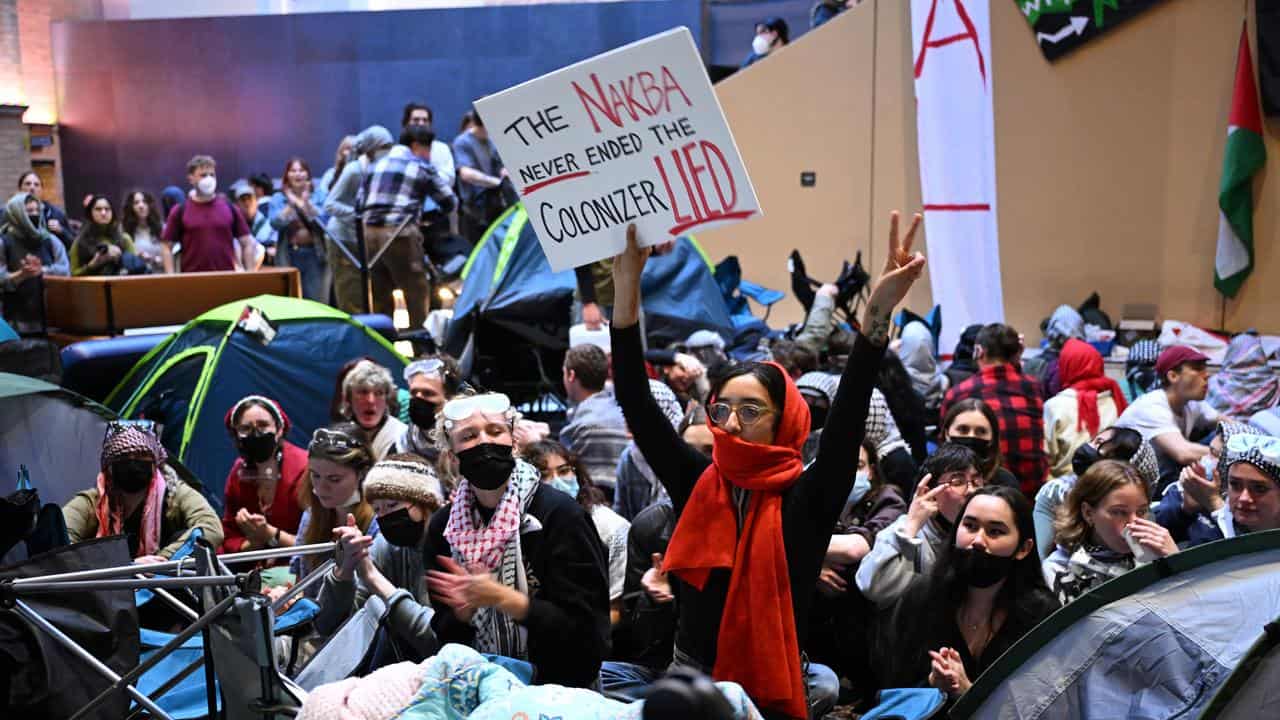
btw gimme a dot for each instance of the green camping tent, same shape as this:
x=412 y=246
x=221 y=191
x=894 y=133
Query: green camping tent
x=189 y=381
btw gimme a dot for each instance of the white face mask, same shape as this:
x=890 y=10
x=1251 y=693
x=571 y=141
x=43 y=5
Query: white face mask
x=760 y=45
x=207 y=185
x=861 y=486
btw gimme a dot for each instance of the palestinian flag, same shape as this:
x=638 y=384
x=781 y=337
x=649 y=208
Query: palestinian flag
x=1244 y=157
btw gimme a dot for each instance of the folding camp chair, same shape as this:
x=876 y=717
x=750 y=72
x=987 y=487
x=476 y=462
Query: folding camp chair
x=237 y=631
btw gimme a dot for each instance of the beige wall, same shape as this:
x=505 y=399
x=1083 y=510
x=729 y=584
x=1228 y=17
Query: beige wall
x=1107 y=161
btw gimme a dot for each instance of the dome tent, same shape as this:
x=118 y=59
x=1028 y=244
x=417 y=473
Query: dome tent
x=1156 y=642
x=188 y=382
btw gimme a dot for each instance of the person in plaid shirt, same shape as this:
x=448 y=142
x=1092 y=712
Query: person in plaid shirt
x=1016 y=400
x=400 y=178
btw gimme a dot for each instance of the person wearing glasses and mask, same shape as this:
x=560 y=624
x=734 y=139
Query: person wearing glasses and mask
x=433 y=381
x=911 y=544
x=262 y=509
x=404 y=492
x=753 y=523
x=138 y=496
x=515 y=567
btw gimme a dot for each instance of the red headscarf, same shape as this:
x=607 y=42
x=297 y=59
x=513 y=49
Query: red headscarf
x=1080 y=368
x=757 y=612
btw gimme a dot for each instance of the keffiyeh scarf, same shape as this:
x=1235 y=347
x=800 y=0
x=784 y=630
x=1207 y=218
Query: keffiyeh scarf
x=496 y=546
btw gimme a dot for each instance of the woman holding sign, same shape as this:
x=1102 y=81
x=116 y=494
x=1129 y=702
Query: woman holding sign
x=753 y=523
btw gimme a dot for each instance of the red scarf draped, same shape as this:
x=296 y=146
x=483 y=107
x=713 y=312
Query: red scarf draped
x=1080 y=368
x=757 y=646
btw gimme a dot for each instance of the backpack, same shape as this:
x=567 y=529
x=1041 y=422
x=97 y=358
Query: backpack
x=180 y=221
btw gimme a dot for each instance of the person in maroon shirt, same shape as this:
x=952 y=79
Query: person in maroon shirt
x=1016 y=400
x=209 y=226
x=262 y=509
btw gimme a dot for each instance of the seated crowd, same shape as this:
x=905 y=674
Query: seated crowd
x=811 y=525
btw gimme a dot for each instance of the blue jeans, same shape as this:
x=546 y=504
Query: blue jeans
x=314 y=270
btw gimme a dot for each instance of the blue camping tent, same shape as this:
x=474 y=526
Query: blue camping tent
x=189 y=381
x=509 y=284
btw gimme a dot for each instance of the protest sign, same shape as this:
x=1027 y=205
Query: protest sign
x=634 y=135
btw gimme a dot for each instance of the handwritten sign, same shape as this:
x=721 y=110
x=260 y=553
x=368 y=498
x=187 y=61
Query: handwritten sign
x=634 y=135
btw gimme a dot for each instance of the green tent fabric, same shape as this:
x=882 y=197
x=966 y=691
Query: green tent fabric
x=188 y=382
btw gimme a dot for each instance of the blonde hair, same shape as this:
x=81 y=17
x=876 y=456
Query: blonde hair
x=1103 y=477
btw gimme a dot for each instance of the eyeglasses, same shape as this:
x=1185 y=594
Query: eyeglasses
x=324 y=437
x=462 y=408
x=748 y=415
x=430 y=366
x=959 y=480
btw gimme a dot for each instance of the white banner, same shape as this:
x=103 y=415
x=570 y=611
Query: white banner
x=633 y=135
x=951 y=47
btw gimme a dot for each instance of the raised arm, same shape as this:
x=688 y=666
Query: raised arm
x=837 y=460
x=676 y=465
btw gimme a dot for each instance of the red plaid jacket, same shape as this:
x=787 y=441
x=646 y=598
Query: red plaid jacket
x=1019 y=409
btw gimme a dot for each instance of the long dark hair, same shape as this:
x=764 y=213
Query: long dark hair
x=536 y=454
x=1019 y=589
x=86 y=244
x=129 y=219
x=905 y=404
x=970 y=405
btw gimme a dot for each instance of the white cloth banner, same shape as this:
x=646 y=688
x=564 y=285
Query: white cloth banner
x=951 y=47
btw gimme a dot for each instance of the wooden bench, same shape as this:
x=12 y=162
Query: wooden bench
x=80 y=308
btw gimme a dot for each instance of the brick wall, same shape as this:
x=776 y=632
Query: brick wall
x=15 y=158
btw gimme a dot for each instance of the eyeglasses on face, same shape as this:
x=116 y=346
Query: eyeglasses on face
x=748 y=415
x=960 y=479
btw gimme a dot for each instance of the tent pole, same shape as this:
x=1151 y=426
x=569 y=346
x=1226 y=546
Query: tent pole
x=35 y=619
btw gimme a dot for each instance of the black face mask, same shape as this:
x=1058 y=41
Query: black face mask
x=257 y=446
x=980 y=446
x=487 y=465
x=35 y=220
x=817 y=415
x=980 y=569
x=131 y=476
x=422 y=412
x=1083 y=458
x=401 y=530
